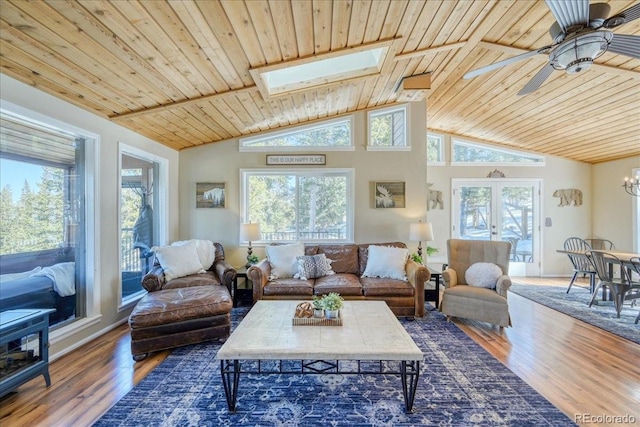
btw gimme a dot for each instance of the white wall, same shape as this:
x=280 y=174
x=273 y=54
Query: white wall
x=556 y=174
x=106 y=278
x=222 y=161
x=613 y=210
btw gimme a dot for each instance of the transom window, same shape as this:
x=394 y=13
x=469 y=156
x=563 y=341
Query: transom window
x=299 y=205
x=336 y=134
x=388 y=129
x=473 y=153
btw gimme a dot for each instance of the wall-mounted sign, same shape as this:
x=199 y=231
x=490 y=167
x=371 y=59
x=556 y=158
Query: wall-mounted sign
x=296 y=159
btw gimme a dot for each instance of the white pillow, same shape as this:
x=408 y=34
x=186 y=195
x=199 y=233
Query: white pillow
x=387 y=262
x=206 y=251
x=178 y=261
x=283 y=259
x=16 y=276
x=483 y=275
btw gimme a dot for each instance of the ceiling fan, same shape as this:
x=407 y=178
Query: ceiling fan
x=580 y=34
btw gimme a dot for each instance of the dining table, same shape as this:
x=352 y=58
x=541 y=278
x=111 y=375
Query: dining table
x=624 y=257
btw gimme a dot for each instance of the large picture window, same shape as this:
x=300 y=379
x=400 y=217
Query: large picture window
x=43 y=242
x=300 y=205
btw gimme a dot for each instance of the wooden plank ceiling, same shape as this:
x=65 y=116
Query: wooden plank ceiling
x=178 y=71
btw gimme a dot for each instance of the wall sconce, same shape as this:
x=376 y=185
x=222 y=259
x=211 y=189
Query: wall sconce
x=419 y=232
x=249 y=232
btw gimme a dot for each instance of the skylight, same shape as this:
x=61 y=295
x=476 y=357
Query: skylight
x=320 y=70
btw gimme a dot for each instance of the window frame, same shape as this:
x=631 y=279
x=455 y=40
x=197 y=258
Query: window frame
x=515 y=152
x=349 y=119
x=372 y=114
x=92 y=235
x=349 y=173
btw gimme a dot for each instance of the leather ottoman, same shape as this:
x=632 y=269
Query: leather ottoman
x=172 y=318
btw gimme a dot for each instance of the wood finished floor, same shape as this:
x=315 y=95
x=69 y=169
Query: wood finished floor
x=581 y=369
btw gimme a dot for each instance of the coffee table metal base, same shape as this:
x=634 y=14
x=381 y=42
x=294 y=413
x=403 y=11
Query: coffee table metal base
x=409 y=371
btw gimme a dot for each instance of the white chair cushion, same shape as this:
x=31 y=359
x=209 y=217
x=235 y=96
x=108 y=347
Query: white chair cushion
x=283 y=259
x=387 y=262
x=205 y=249
x=178 y=261
x=483 y=275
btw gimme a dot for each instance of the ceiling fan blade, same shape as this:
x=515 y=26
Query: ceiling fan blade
x=537 y=80
x=569 y=13
x=474 y=73
x=625 y=44
x=623 y=17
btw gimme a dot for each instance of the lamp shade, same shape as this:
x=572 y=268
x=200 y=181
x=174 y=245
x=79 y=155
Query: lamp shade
x=421 y=232
x=249 y=232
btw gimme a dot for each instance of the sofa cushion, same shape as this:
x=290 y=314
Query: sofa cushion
x=205 y=249
x=178 y=261
x=283 y=259
x=313 y=266
x=203 y=279
x=344 y=257
x=363 y=253
x=289 y=286
x=386 y=261
x=346 y=284
x=376 y=286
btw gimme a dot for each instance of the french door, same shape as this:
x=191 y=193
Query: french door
x=496 y=209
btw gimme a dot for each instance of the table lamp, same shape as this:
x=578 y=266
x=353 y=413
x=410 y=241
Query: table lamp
x=419 y=232
x=249 y=232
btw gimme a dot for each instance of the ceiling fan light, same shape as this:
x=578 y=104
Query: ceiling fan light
x=577 y=54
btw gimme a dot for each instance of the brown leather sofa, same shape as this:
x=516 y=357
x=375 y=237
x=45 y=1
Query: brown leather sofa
x=182 y=311
x=349 y=261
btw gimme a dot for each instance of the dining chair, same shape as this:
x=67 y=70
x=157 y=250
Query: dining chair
x=580 y=263
x=635 y=267
x=619 y=287
x=600 y=244
x=513 y=256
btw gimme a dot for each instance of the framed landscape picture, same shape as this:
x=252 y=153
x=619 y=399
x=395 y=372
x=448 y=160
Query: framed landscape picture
x=211 y=194
x=389 y=194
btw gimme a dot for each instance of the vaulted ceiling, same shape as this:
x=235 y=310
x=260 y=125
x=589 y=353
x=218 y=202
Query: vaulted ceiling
x=179 y=72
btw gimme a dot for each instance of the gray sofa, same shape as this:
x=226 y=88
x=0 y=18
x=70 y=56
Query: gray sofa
x=404 y=298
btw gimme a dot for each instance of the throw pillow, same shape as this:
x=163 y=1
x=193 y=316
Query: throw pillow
x=16 y=276
x=483 y=275
x=283 y=259
x=313 y=266
x=206 y=251
x=178 y=260
x=387 y=262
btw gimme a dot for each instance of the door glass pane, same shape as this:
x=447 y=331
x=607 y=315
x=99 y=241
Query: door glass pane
x=517 y=221
x=138 y=221
x=475 y=213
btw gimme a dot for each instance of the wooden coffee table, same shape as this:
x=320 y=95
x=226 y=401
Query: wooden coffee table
x=371 y=336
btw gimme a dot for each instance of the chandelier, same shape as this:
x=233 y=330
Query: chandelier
x=632 y=186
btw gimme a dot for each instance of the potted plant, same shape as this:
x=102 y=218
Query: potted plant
x=332 y=303
x=415 y=257
x=318 y=309
x=252 y=259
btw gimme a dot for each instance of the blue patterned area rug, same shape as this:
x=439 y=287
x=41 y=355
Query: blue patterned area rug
x=576 y=304
x=460 y=384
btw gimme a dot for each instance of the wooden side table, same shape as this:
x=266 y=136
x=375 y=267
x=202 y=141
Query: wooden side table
x=433 y=294
x=242 y=295
x=20 y=332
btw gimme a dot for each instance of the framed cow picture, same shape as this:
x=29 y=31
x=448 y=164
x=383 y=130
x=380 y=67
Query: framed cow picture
x=211 y=194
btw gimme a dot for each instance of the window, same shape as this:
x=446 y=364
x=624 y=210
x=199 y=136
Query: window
x=388 y=129
x=473 y=153
x=139 y=218
x=435 y=149
x=336 y=134
x=43 y=241
x=300 y=205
